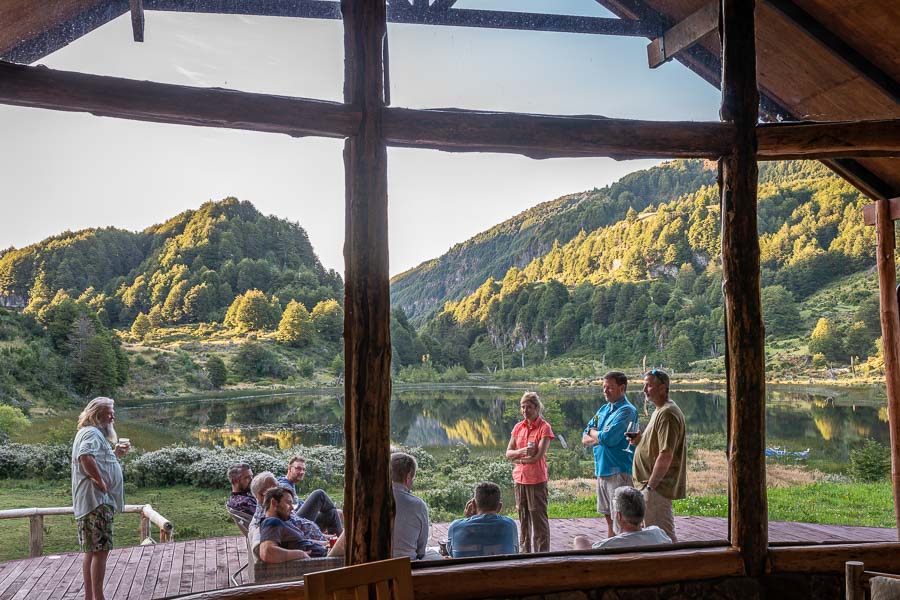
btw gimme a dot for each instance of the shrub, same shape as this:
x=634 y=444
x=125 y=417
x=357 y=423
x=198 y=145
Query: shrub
x=47 y=461
x=871 y=462
x=451 y=497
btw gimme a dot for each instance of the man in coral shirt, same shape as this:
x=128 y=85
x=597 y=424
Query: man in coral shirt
x=527 y=449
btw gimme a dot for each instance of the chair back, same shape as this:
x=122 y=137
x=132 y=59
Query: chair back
x=241 y=519
x=391 y=580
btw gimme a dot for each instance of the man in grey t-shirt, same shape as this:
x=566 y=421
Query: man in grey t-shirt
x=628 y=510
x=97 y=489
x=411 y=522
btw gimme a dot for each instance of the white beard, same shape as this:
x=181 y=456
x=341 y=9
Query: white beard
x=110 y=432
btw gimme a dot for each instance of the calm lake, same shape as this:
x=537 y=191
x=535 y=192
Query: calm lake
x=828 y=421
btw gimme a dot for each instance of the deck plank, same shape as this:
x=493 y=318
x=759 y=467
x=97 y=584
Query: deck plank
x=171 y=569
x=161 y=585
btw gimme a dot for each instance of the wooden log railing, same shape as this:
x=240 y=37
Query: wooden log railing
x=36 y=523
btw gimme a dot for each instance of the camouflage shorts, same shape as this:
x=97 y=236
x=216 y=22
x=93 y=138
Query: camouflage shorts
x=95 y=529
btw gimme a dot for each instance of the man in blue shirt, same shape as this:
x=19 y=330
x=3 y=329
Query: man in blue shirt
x=483 y=532
x=605 y=433
x=280 y=541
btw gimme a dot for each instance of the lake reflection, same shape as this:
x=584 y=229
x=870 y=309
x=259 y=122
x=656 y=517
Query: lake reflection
x=828 y=422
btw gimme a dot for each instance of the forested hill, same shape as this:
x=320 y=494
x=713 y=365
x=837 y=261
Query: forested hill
x=188 y=269
x=648 y=283
x=531 y=234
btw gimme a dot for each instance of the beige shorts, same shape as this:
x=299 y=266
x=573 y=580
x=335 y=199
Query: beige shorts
x=659 y=512
x=606 y=489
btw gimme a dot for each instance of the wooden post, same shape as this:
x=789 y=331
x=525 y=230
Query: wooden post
x=35 y=535
x=853 y=571
x=741 y=287
x=144 y=532
x=890 y=333
x=368 y=499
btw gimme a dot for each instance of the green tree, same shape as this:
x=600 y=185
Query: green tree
x=858 y=341
x=296 y=326
x=216 y=371
x=328 y=319
x=11 y=419
x=825 y=340
x=98 y=370
x=141 y=326
x=780 y=313
x=252 y=311
x=199 y=302
x=680 y=352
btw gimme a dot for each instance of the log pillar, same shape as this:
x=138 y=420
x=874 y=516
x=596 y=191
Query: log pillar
x=35 y=536
x=744 y=333
x=368 y=499
x=890 y=333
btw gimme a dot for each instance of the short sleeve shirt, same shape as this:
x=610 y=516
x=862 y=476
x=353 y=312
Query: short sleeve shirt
x=482 y=535
x=664 y=433
x=411 y=524
x=86 y=496
x=523 y=433
x=241 y=502
x=285 y=535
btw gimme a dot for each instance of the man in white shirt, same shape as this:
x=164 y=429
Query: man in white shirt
x=629 y=511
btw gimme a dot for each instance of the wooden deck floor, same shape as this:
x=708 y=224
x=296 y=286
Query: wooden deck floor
x=167 y=570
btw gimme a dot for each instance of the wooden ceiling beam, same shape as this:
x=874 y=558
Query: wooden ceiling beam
x=40 y=87
x=440 y=13
x=793 y=141
x=37 y=32
x=683 y=34
x=838 y=47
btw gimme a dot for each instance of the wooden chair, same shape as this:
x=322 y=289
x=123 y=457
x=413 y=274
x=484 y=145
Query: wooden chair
x=392 y=580
x=242 y=520
x=880 y=586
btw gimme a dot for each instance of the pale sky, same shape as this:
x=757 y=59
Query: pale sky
x=63 y=171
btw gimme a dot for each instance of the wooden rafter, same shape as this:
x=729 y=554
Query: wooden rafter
x=683 y=34
x=417 y=13
x=28 y=34
x=838 y=47
x=137 y=19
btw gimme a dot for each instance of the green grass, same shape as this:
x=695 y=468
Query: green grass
x=195 y=513
x=864 y=504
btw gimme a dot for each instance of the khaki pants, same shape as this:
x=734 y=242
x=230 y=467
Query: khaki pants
x=659 y=512
x=534 y=525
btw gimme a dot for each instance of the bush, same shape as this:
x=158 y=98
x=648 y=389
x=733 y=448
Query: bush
x=46 y=461
x=450 y=498
x=871 y=462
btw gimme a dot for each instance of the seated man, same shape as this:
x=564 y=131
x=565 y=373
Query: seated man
x=318 y=506
x=241 y=500
x=483 y=532
x=279 y=540
x=261 y=484
x=628 y=510
x=411 y=522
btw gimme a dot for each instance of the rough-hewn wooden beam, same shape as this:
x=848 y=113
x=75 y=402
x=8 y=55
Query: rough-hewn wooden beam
x=39 y=87
x=535 y=576
x=683 y=34
x=830 y=558
x=838 y=47
x=783 y=141
x=870 y=211
x=885 y=245
x=542 y=136
x=368 y=498
x=137 y=19
x=744 y=331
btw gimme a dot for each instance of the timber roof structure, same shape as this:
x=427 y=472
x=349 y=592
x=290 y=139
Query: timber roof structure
x=818 y=60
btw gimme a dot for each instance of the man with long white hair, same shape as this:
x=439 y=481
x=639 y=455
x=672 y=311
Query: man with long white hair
x=97 y=489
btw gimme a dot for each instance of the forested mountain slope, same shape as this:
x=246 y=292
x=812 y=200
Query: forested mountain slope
x=532 y=233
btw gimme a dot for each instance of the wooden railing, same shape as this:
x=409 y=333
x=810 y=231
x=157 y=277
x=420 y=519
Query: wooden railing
x=36 y=523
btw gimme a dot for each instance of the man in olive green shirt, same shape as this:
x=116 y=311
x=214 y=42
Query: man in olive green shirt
x=660 y=459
